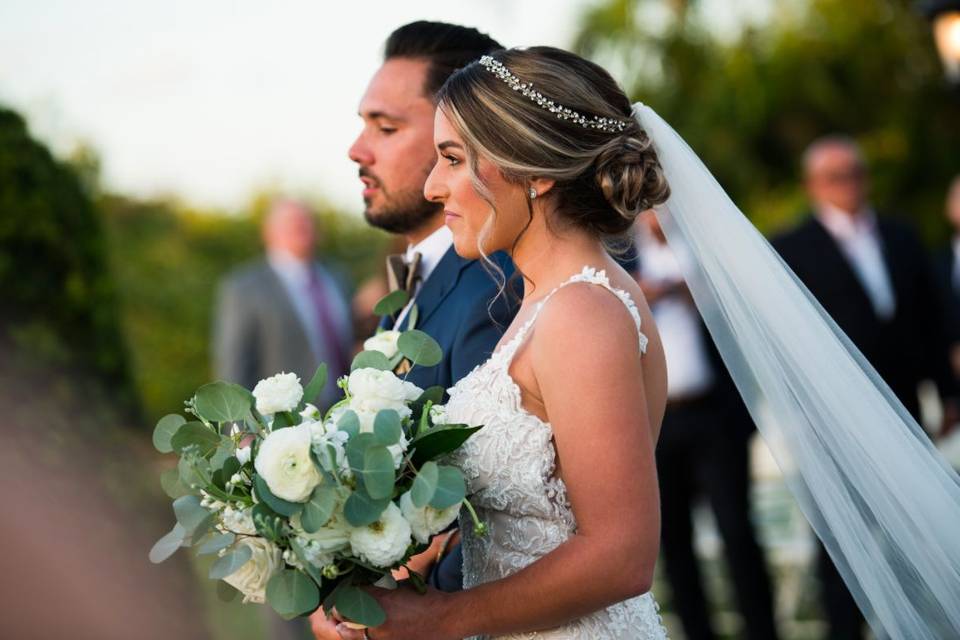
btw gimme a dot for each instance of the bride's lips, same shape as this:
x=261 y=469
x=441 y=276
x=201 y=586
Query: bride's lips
x=450 y=215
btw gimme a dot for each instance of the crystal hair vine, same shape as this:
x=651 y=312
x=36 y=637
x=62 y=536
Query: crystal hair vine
x=610 y=125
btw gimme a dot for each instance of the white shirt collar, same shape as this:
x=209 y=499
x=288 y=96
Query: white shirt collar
x=288 y=265
x=843 y=225
x=431 y=250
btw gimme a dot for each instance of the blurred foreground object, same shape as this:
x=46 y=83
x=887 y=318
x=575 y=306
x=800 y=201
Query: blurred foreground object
x=945 y=17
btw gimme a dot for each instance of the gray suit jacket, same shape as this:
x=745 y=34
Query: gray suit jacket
x=258 y=333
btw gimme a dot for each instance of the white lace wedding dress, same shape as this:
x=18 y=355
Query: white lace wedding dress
x=510 y=469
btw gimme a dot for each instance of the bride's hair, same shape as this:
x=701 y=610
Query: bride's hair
x=603 y=179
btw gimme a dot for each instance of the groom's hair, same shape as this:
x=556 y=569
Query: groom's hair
x=446 y=47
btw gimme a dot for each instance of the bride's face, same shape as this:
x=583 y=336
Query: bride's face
x=470 y=216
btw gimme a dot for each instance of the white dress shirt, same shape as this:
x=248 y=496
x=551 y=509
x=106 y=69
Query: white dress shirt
x=431 y=250
x=689 y=372
x=859 y=242
x=295 y=276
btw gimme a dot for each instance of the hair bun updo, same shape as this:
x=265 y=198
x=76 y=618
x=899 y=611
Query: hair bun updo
x=629 y=175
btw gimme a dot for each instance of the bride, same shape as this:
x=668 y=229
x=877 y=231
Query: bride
x=540 y=154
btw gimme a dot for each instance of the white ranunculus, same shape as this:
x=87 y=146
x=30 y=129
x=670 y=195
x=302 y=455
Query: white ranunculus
x=385 y=541
x=281 y=392
x=372 y=391
x=427 y=521
x=251 y=579
x=285 y=465
x=385 y=342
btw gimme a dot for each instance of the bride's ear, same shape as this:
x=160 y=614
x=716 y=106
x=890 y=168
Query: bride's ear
x=540 y=186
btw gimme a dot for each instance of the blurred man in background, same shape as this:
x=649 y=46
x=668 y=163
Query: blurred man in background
x=703 y=450
x=873 y=277
x=287 y=312
x=948 y=268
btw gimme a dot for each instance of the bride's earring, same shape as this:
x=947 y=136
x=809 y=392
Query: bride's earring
x=533 y=193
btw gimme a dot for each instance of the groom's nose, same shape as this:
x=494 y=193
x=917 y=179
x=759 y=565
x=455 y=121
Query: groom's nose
x=360 y=153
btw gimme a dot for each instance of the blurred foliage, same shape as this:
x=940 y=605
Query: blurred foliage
x=168 y=259
x=750 y=102
x=59 y=302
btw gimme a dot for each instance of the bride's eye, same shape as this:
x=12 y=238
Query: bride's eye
x=451 y=160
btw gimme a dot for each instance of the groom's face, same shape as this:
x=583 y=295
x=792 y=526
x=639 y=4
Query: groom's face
x=394 y=151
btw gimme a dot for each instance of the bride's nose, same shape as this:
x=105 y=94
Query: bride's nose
x=434 y=188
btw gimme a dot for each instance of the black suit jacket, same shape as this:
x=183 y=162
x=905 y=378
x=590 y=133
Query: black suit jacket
x=908 y=348
x=950 y=287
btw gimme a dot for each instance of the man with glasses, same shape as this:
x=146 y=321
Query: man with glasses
x=874 y=278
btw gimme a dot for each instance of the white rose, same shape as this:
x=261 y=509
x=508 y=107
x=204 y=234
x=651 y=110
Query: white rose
x=243 y=455
x=427 y=521
x=285 y=465
x=385 y=541
x=251 y=579
x=385 y=342
x=281 y=392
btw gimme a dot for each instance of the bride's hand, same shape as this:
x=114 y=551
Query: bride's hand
x=410 y=616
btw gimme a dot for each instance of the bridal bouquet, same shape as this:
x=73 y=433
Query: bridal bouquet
x=302 y=508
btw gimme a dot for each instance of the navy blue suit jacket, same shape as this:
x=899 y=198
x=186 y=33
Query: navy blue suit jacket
x=461 y=307
x=454 y=308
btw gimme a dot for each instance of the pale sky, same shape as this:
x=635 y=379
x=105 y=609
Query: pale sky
x=211 y=100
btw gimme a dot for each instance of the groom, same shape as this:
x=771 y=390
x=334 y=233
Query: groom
x=395 y=153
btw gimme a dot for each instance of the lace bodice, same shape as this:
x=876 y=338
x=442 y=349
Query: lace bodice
x=510 y=466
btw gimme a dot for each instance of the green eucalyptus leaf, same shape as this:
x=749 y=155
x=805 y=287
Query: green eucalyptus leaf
x=223 y=402
x=391 y=303
x=230 y=466
x=425 y=484
x=356 y=448
x=349 y=422
x=420 y=348
x=317 y=510
x=433 y=394
x=225 y=450
x=413 y=316
x=196 y=433
x=319 y=380
x=281 y=420
x=386 y=426
x=371 y=360
x=230 y=563
x=168 y=544
x=170 y=481
x=451 y=488
x=279 y=505
x=164 y=431
x=192 y=471
x=358 y=606
x=378 y=475
x=215 y=543
x=190 y=515
x=439 y=441
x=292 y=593
x=361 y=510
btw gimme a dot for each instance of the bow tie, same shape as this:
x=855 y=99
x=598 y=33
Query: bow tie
x=402 y=274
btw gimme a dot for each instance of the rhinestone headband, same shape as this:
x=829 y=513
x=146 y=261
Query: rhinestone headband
x=610 y=125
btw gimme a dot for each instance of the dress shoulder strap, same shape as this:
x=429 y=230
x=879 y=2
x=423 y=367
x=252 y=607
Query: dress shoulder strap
x=592 y=276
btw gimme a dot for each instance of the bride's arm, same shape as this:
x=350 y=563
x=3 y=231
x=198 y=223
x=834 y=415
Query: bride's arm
x=590 y=379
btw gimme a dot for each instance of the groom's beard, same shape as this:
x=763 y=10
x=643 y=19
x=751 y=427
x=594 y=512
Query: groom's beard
x=401 y=211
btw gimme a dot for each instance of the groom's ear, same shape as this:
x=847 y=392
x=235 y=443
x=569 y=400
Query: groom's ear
x=542 y=185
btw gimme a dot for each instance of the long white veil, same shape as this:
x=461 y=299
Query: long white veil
x=866 y=476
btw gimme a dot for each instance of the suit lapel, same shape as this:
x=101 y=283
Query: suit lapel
x=438 y=286
x=834 y=263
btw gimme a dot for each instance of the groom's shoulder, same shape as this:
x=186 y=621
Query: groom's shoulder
x=479 y=276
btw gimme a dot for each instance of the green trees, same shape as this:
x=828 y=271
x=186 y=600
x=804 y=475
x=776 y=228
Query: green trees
x=750 y=103
x=59 y=305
